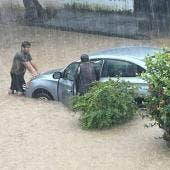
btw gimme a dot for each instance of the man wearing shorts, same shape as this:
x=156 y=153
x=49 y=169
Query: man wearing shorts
x=22 y=61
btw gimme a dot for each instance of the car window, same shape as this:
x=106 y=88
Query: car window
x=71 y=71
x=118 y=68
x=140 y=70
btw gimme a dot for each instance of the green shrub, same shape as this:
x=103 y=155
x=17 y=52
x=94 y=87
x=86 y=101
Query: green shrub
x=158 y=102
x=106 y=104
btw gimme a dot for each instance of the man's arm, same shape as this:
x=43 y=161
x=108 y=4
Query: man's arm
x=34 y=66
x=30 y=68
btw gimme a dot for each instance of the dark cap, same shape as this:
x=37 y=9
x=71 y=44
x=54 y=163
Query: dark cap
x=26 y=44
x=84 y=58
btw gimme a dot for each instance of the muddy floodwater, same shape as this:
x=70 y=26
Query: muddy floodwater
x=36 y=135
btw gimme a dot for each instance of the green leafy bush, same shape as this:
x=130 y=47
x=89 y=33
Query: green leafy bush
x=106 y=104
x=158 y=102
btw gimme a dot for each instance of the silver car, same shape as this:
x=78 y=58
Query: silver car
x=124 y=62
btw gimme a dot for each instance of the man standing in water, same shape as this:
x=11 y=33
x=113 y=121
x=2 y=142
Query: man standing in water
x=87 y=74
x=21 y=62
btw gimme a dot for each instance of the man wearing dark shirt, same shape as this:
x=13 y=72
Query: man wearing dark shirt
x=87 y=74
x=21 y=62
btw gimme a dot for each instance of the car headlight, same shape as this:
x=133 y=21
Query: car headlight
x=29 y=84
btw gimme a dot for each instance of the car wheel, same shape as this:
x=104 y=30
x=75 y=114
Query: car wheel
x=43 y=96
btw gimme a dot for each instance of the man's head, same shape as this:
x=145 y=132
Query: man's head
x=84 y=58
x=25 y=46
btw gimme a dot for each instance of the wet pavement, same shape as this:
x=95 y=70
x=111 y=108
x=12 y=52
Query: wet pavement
x=36 y=135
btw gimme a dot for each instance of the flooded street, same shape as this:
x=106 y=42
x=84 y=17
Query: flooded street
x=37 y=135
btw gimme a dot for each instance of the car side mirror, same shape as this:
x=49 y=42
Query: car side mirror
x=57 y=75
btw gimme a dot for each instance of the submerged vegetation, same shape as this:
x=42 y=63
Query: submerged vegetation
x=158 y=102
x=106 y=104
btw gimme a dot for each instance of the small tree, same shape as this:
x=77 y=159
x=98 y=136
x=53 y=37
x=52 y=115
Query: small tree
x=158 y=102
x=106 y=104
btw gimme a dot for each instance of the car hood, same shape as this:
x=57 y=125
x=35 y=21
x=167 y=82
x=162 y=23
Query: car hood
x=47 y=74
x=50 y=72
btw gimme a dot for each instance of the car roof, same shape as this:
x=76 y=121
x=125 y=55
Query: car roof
x=136 y=52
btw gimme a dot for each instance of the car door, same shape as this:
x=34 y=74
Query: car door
x=125 y=71
x=67 y=83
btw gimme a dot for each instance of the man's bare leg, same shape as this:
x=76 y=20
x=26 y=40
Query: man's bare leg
x=19 y=93
x=10 y=91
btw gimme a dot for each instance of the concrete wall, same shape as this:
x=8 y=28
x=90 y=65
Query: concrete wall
x=110 y=5
x=11 y=3
x=11 y=11
x=123 y=21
